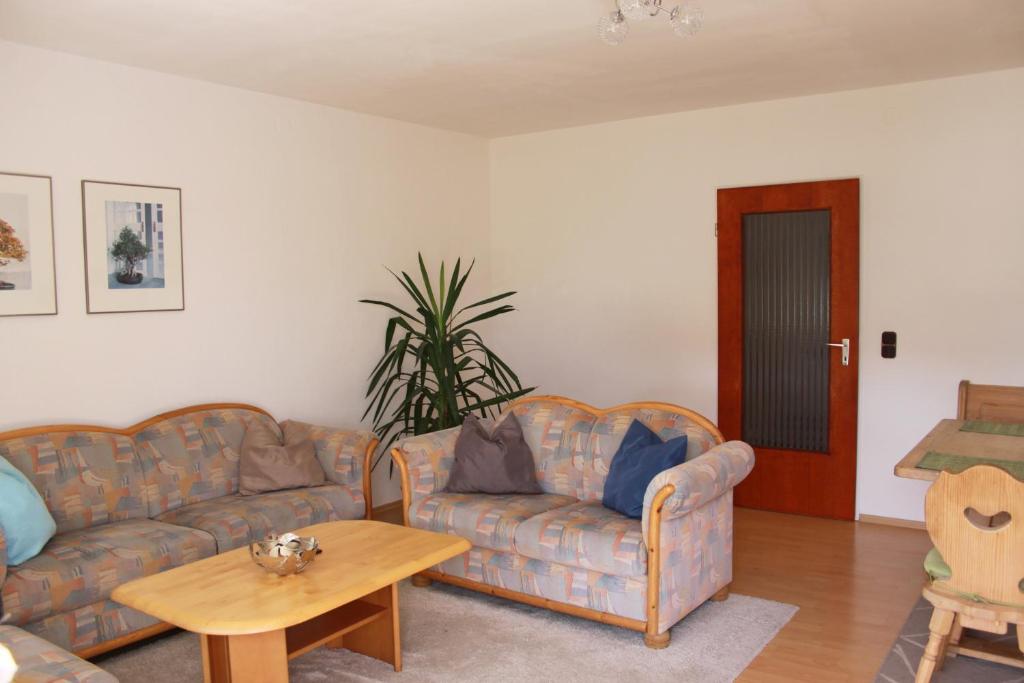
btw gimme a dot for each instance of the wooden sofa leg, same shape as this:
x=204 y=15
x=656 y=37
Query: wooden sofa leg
x=421 y=581
x=657 y=641
x=721 y=594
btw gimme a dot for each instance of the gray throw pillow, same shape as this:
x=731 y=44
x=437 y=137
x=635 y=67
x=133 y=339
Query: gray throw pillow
x=496 y=462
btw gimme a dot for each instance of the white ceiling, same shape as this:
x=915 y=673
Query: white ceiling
x=500 y=67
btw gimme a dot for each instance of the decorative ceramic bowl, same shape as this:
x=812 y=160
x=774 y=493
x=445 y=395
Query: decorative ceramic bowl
x=285 y=554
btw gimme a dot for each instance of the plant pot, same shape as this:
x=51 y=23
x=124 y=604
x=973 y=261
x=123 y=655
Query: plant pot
x=133 y=279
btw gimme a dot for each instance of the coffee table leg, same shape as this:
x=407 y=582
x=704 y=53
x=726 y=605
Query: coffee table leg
x=256 y=658
x=215 y=659
x=378 y=639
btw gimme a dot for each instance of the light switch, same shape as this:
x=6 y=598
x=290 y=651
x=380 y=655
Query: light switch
x=888 y=345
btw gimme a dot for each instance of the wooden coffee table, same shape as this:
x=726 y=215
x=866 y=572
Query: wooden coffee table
x=252 y=622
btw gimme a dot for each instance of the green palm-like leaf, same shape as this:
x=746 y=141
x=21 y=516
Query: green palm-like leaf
x=435 y=369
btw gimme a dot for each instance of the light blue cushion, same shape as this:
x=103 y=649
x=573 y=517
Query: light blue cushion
x=26 y=522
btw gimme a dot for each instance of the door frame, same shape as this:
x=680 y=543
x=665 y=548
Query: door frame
x=785 y=480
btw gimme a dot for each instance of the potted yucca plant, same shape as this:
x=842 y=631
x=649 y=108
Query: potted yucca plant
x=436 y=368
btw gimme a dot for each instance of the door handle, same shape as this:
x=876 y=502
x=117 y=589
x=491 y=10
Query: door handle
x=845 y=346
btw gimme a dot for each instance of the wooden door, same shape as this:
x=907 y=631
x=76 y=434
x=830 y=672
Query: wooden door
x=788 y=279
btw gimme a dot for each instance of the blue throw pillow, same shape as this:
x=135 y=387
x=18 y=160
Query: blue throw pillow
x=641 y=457
x=26 y=522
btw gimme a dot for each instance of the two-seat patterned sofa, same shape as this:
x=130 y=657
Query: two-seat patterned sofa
x=133 y=502
x=563 y=549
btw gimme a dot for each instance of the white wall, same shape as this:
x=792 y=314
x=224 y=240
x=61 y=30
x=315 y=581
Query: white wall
x=290 y=211
x=608 y=233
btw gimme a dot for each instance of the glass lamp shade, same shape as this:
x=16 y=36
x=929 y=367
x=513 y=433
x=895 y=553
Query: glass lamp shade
x=613 y=28
x=687 y=19
x=637 y=10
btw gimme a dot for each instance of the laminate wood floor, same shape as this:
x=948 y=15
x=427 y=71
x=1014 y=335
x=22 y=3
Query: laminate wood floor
x=854 y=582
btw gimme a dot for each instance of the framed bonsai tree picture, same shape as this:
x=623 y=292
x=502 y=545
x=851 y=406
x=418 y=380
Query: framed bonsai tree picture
x=133 y=255
x=27 y=279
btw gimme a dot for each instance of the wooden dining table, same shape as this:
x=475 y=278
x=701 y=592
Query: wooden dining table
x=948 y=439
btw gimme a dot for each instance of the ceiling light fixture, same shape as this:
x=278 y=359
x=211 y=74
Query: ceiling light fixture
x=686 y=19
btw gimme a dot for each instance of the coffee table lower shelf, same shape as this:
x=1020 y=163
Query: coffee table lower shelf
x=368 y=626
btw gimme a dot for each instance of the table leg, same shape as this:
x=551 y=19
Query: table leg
x=215 y=659
x=256 y=658
x=380 y=638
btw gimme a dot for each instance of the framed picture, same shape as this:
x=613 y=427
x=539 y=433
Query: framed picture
x=27 y=279
x=133 y=259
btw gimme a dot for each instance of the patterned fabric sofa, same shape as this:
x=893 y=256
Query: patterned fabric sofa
x=133 y=502
x=26 y=658
x=563 y=549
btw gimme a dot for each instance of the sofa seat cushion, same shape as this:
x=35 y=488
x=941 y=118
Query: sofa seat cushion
x=585 y=535
x=40 y=661
x=82 y=567
x=487 y=521
x=236 y=521
x=89 y=626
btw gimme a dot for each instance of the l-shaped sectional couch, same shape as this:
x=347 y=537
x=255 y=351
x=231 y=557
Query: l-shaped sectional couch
x=136 y=501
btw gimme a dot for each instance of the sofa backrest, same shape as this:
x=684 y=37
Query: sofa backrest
x=557 y=430
x=90 y=476
x=192 y=455
x=573 y=443
x=666 y=420
x=87 y=476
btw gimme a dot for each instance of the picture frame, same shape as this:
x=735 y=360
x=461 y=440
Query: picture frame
x=28 y=280
x=133 y=247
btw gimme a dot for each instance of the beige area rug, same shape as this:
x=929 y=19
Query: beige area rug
x=450 y=635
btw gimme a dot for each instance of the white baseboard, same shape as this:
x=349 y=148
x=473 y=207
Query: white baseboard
x=891 y=521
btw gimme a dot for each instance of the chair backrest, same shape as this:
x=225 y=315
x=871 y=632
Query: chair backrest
x=976 y=521
x=990 y=402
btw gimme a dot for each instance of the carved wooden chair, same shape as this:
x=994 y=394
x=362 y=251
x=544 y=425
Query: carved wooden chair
x=990 y=402
x=976 y=521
